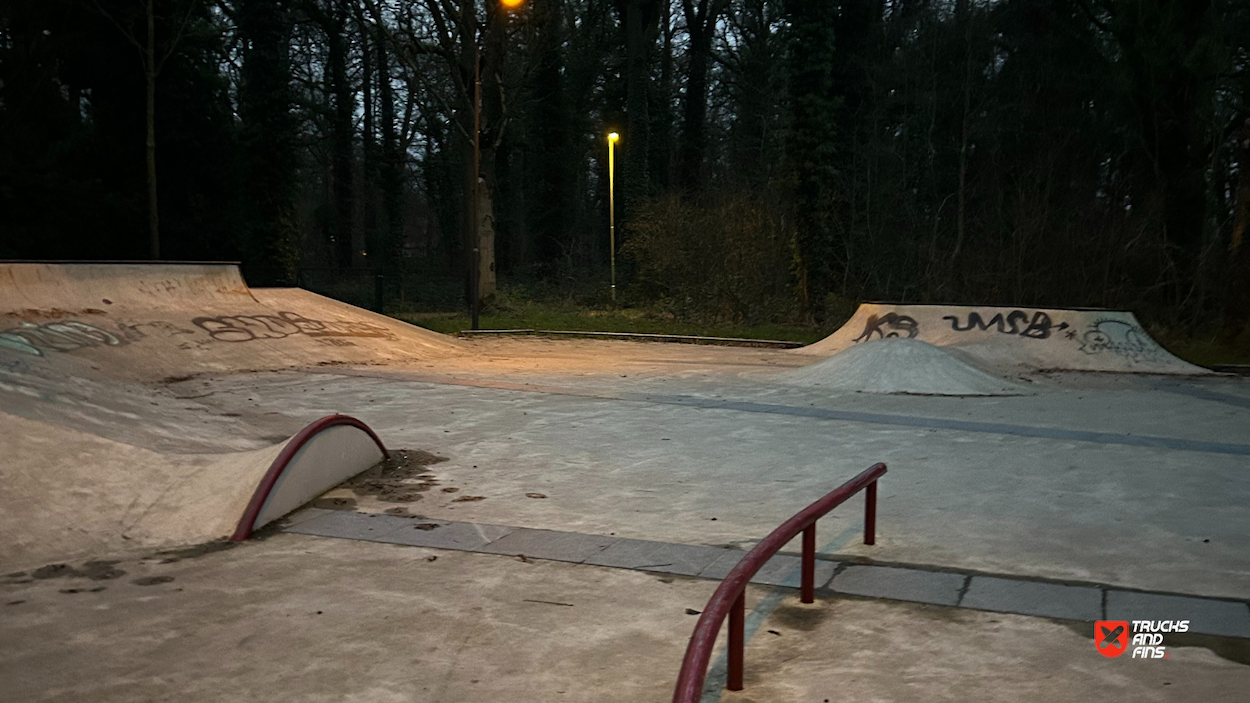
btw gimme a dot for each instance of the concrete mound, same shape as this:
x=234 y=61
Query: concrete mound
x=1014 y=339
x=900 y=366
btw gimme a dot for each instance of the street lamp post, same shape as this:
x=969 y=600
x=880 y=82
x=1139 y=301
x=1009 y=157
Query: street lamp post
x=612 y=139
x=475 y=226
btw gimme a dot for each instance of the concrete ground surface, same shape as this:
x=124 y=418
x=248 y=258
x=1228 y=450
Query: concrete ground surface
x=1134 y=482
x=305 y=619
x=296 y=618
x=621 y=450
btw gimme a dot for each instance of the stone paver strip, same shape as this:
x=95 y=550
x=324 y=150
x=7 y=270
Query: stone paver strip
x=1205 y=616
x=304 y=515
x=666 y=557
x=441 y=534
x=994 y=593
x=1049 y=600
x=780 y=570
x=936 y=587
x=348 y=525
x=548 y=544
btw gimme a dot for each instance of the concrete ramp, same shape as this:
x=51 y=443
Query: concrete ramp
x=68 y=494
x=1013 y=339
x=152 y=321
x=101 y=456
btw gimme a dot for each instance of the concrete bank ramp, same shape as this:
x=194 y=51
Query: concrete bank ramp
x=898 y=365
x=100 y=455
x=1013 y=339
x=154 y=321
x=66 y=494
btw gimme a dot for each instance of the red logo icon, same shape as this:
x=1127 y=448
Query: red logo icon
x=1111 y=637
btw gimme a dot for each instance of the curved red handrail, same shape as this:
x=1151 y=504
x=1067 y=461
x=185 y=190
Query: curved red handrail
x=246 y=523
x=730 y=592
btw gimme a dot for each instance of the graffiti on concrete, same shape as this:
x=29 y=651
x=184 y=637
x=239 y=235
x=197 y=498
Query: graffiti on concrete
x=334 y=342
x=29 y=338
x=157 y=328
x=245 y=328
x=1039 y=327
x=1122 y=339
x=889 y=325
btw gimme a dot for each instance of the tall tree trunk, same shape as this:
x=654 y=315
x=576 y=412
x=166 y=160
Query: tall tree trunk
x=1162 y=47
x=494 y=121
x=811 y=147
x=269 y=235
x=149 y=71
x=468 y=68
x=392 y=182
x=371 y=42
x=701 y=22
x=962 y=15
x=663 y=157
x=342 y=133
x=1237 y=301
x=548 y=211
x=639 y=18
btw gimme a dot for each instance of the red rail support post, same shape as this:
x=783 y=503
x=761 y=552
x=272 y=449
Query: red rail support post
x=870 y=514
x=807 y=593
x=729 y=600
x=737 y=642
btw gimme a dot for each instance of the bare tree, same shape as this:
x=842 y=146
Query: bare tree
x=153 y=62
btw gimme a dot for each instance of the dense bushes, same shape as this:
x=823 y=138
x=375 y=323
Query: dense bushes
x=723 y=258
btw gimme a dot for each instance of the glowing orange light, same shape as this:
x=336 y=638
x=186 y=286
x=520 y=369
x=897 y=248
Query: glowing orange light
x=511 y=3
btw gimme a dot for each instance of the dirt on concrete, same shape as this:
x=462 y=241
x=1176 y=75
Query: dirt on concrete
x=401 y=478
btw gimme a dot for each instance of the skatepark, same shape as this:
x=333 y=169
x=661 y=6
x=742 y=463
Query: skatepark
x=554 y=514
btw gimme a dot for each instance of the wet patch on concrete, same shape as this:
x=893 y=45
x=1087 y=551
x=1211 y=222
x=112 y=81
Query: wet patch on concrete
x=400 y=479
x=169 y=556
x=93 y=570
x=805 y=618
x=97 y=589
x=335 y=503
x=152 y=580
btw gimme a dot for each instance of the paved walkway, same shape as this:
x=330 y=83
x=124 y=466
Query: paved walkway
x=997 y=593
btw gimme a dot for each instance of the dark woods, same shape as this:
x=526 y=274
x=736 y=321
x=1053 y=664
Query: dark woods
x=778 y=158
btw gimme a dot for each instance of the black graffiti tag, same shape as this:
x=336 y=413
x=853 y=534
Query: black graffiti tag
x=246 y=328
x=894 y=322
x=1039 y=327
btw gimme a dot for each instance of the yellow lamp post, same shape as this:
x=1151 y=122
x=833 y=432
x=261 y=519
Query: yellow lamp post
x=612 y=139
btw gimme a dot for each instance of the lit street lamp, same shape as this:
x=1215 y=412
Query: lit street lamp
x=612 y=139
x=475 y=233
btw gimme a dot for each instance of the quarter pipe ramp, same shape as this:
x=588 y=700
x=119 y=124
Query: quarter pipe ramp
x=1013 y=339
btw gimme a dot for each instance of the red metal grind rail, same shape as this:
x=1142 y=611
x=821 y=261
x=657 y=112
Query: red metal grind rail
x=729 y=598
x=248 y=521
